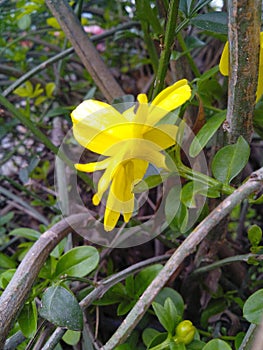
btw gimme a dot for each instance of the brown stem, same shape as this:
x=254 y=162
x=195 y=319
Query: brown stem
x=255 y=183
x=244 y=39
x=85 y=49
x=16 y=292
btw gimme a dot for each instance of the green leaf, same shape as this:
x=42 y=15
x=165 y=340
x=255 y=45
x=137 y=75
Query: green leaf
x=164 y=317
x=206 y=133
x=6 y=262
x=28 y=233
x=215 y=22
x=125 y=306
x=71 y=337
x=60 y=307
x=150 y=182
x=176 y=213
x=230 y=160
x=196 y=345
x=58 y=111
x=172 y=314
x=253 y=307
x=174 y=296
x=145 y=277
x=24 y=22
x=5 y=219
x=175 y=346
x=216 y=344
x=149 y=14
x=78 y=262
x=38 y=91
x=185 y=6
x=172 y=203
x=129 y=286
x=160 y=340
x=6 y=277
x=254 y=235
x=238 y=339
x=113 y=296
x=50 y=87
x=199 y=5
x=148 y=335
x=27 y=319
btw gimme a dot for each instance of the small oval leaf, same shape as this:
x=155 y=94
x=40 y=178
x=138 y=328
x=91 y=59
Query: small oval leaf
x=206 y=133
x=253 y=307
x=215 y=22
x=78 y=262
x=27 y=319
x=24 y=22
x=254 y=235
x=230 y=160
x=216 y=344
x=60 y=307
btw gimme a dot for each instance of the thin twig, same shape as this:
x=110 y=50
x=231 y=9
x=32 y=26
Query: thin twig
x=189 y=245
x=16 y=292
x=100 y=290
x=62 y=55
x=226 y=261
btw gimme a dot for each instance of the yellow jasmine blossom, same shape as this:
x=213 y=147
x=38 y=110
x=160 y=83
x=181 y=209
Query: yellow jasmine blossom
x=129 y=142
x=224 y=66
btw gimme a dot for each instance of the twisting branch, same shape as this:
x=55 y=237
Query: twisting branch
x=254 y=184
x=85 y=49
x=16 y=292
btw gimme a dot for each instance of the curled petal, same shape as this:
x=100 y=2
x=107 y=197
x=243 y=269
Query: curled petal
x=91 y=167
x=111 y=218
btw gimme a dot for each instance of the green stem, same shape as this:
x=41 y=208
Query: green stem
x=168 y=44
x=188 y=55
x=226 y=261
x=193 y=175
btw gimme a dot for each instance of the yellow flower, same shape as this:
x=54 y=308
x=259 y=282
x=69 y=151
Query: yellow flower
x=129 y=142
x=224 y=63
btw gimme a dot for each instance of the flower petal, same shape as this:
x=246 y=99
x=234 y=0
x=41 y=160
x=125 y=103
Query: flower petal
x=92 y=117
x=223 y=64
x=142 y=110
x=167 y=100
x=95 y=140
x=164 y=135
x=107 y=142
x=96 y=114
x=91 y=167
x=110 y=219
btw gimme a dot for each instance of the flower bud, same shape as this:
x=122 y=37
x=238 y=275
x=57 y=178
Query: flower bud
x=184 y=332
